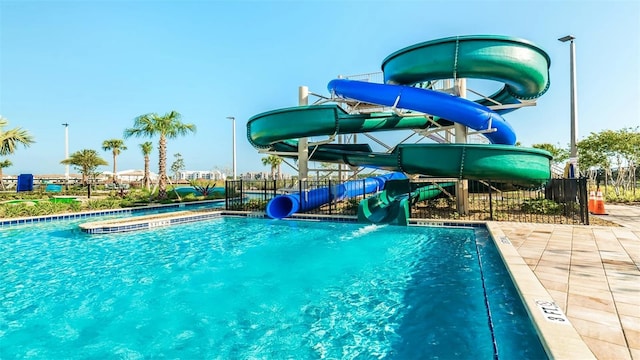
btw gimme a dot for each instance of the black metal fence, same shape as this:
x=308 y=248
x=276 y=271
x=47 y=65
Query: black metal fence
x=325 y=199
x=557 y=201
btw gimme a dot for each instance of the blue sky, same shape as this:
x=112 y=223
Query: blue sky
x=98 y=64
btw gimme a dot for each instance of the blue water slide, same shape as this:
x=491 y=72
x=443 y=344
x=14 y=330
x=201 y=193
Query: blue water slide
x=286 y=205
x=463 y=111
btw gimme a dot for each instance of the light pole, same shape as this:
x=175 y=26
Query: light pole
x=233 y=121
x=573 y=151
x=66 y=154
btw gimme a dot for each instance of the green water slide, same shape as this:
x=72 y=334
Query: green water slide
x=391 y=205
x=520 y=66
x=273 y=130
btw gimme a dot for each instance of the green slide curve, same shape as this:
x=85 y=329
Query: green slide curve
x=391 y=205
x=522 y=66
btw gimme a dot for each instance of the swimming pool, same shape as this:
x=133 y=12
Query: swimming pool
x=254 y=288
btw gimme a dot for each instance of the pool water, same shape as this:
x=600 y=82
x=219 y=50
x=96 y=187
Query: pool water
x=240 y=288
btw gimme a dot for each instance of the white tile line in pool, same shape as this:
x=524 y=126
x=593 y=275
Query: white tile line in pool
x=559 y=337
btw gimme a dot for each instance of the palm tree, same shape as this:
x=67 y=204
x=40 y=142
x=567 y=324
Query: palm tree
x=146 y=148
x=86 y=161
x=274 y=161
x=115 y=145
x=167 y=126
x=9 y=141
x=3 y=164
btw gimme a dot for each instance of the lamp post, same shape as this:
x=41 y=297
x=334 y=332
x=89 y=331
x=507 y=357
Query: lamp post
x=66 y=154
x=233 y=120
x=573 y=151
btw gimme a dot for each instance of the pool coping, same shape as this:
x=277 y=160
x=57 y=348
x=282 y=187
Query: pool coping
x=147 y=222
x=558 y=336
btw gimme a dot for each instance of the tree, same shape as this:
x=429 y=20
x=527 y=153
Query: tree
x=9 y=141
x=116 y=146
x=86 y=161
x=3 y=164
x=611 y=150
x=274 y=161
x=146 y=148
x=177 y=165
x=559 y=154
x=167 y=126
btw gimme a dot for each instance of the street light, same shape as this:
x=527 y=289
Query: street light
x=573 y=151
x=66 y=153
x=233 y=120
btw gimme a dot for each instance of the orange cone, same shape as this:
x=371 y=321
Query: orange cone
x=599 y=206
x=592 y=201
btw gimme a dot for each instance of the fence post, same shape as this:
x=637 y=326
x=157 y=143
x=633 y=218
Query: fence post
x=330 y=197
x=275 y=190
x=300 y=192
x=226 y=194
x=582 y=191
x=409 y=198
x=490 y=202
x=242 y=194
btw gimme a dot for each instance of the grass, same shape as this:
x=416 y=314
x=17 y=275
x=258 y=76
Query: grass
x=40 y=203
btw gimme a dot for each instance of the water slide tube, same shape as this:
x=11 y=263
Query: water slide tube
x=286 y=205
x=391 y=205
x=521 y=66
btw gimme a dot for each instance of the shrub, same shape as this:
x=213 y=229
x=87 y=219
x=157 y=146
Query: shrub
x=541 y=206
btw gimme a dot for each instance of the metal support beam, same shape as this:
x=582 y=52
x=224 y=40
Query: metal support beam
x=461 y=132
x=303 y=148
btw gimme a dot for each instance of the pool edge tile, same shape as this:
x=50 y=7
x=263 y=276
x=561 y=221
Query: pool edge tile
x=560 y=340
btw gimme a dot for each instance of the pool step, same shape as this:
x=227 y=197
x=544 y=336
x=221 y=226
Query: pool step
x=147 y=222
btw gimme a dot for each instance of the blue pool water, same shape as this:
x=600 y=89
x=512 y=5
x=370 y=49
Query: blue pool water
x=239 y=288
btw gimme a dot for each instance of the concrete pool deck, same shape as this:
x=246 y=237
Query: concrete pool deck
x=591 y=272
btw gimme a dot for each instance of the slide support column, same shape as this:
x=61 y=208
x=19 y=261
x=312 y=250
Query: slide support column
x=462 y=188
x=303 y=148
x=573 y=151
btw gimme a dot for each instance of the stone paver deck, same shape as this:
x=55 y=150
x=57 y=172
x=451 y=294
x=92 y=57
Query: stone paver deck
x=592 y=273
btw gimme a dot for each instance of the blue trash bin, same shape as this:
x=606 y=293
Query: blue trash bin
x=25 y=182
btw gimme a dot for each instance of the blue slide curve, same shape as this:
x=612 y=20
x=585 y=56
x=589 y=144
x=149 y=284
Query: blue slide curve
x=465 y=112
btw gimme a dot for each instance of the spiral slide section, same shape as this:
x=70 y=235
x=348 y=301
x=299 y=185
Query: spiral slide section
x=391 y=205
x=520 y=66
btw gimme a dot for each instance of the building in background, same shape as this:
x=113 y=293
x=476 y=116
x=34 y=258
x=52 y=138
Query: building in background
x=188 y=175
